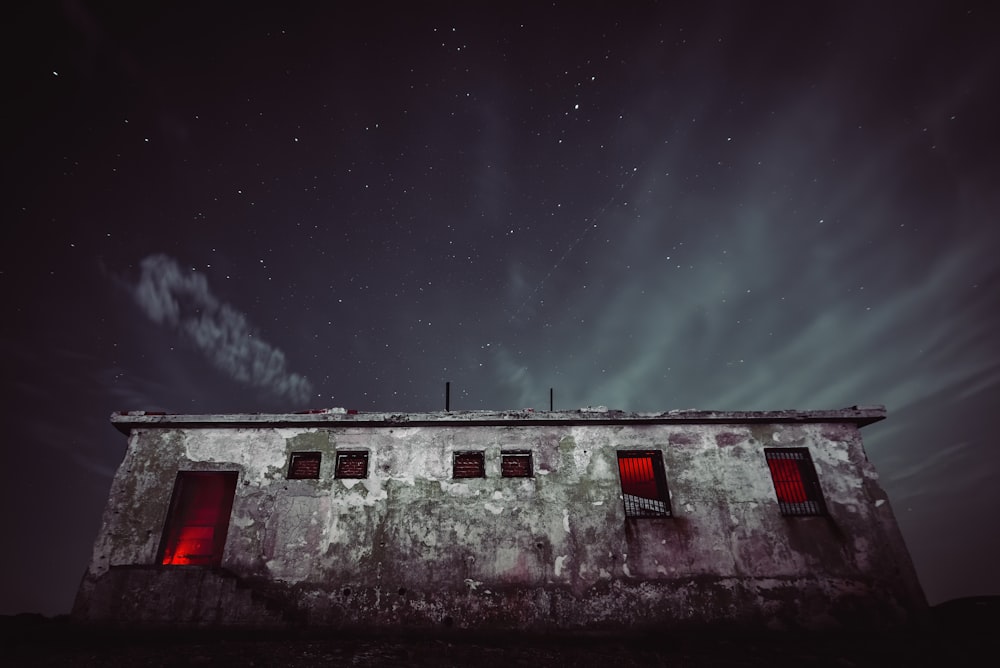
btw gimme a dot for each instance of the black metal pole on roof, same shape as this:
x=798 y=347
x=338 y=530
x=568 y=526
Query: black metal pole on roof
x=447 y=396
x=550 y=399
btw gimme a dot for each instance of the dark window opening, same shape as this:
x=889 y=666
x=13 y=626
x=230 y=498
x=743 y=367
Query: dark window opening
x=795 y=481
x=304 y=465
x=352 y=465
x=644 y=483
x=469 y=465
x=196 y=527
x=515 y=464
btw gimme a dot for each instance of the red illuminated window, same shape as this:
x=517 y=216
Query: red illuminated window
x=644 y=483
x=515 y=464
x=304 y=465
x=195 y=532
x=352 y=465
x=468 y=465
x=795 y=481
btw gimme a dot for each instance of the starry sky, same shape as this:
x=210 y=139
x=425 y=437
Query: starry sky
x=241 y=207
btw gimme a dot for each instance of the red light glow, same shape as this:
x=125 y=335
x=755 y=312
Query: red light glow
x=788 y=481
x=199 y=518
x=637 y=477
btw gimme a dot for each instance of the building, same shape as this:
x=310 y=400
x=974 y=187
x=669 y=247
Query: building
x=561 y=520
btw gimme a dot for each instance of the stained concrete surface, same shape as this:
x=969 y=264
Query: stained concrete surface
x=410 y=545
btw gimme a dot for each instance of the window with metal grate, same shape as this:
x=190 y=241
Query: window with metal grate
x=304 y=465
x=644 y=483
x=515 y=464
x=468 y=464
x=795 y=482
x=352 y=465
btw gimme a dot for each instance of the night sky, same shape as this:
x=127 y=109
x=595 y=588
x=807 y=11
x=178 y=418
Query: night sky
x=745 y=206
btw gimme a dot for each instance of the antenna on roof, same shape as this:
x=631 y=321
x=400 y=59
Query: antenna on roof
x=550 y=399
x=447 y=396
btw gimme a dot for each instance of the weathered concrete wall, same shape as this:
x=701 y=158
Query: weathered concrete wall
x=410 y=546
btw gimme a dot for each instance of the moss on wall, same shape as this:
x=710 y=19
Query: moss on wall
x=411 y=545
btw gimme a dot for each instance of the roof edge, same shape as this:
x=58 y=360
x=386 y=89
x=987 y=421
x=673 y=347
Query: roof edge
x=338 y=417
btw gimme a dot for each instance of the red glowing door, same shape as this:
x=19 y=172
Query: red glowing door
x=195 y=533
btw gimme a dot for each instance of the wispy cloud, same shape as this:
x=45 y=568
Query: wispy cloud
x=181 y=300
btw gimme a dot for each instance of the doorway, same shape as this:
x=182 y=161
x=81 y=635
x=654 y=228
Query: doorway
x=196 y=527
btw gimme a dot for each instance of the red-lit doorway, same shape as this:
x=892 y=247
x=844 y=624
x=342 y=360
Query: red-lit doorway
x=195 y=532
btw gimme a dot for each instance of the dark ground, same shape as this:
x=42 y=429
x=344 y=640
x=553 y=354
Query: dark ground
x=962 y=633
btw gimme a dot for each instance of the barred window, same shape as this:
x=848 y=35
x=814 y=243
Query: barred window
x=795 y=481
x=644 y=483
x=352 y=465
x=304 y=465
x=515 y=464
x=468 y=464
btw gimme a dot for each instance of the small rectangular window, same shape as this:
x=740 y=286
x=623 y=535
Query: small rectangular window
x=469 y=464
x=795 y=481
x=644 y=483
x=515 y=464
x=304 y=465
x=352 y=465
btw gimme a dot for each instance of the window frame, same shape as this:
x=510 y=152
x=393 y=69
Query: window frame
x=798 y=480
x=477 y=454
x=658 y=507
x=303 y=456
x=342 y=455
x=520 y=455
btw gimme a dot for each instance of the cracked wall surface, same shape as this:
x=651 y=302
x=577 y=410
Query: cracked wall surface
x=411 y=546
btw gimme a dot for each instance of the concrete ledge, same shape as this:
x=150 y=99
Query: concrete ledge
x=859 y=415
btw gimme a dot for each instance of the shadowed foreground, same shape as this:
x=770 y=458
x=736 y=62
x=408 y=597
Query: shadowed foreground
x=963 y=633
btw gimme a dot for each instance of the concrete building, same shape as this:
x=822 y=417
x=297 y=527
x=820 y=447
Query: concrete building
x=569 y=520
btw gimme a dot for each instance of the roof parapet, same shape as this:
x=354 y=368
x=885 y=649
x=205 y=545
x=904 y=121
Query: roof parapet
x=333 y=417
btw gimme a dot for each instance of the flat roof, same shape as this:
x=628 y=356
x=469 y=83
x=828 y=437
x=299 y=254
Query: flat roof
x=340 y=417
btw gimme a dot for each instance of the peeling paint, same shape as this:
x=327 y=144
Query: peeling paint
x=496 y=510
x=458 y=489
x=410 y=546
